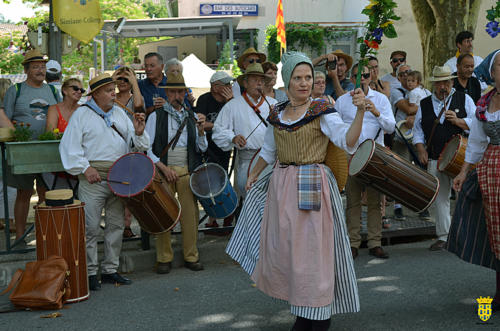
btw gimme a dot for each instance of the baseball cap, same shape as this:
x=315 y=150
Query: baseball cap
x=221 y=76
x=402 y=53
x=53 y=67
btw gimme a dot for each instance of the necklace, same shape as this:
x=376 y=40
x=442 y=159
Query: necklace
x=294 y=108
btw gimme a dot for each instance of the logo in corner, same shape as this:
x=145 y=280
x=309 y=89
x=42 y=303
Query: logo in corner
x=484 y=308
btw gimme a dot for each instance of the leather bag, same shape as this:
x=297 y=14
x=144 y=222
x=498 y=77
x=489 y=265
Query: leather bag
x=43 y=285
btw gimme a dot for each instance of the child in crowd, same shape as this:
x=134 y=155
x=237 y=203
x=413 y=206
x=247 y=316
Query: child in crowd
x=417 y=91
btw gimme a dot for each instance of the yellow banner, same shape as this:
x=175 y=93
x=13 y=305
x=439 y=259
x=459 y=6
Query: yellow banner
x=81 y=19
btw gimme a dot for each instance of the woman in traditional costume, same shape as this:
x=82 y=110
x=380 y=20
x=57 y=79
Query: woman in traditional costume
x=469 y=237
x=291 y=234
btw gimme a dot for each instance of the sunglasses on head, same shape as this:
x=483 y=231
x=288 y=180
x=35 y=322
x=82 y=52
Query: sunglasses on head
x=123 y=79
x=398 y=59
x=406 y=72
x=254 y=60
x=76 y=89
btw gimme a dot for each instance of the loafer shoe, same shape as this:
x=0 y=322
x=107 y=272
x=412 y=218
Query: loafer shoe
x=438 y=245
x=354 y=252
x=195 y=266
x=164 y=267
x=94 y=284
x=378 y=252
x=115 y=278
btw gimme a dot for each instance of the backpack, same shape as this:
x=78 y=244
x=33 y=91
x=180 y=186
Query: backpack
x=52 y=88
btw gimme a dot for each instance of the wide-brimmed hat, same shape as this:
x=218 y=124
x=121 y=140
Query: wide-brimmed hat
x=174 y=81
x=99 y=81
x=247 y=53
x=34 y=55
x=440 y=73
x=221 y=76
x=347 y=58
x=253 y=69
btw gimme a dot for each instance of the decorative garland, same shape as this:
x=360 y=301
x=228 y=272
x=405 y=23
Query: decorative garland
x=380 y=23
x=493 y=16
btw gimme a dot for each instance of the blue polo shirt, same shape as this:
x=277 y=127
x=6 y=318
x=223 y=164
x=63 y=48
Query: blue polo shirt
x=346 y=85
x=148 y=89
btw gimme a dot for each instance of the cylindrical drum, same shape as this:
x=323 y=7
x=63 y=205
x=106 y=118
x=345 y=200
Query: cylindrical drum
x=210 y=183
x=145 y=191
x=452 y=156
x=393 y=176
x=61 y=231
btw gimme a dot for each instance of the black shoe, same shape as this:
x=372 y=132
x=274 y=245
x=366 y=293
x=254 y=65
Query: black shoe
x=94 y=284
x=195 y=266
x=398 y=214
x=164 y=267
x=115 y=278
x=354 y=252
x=424 y=215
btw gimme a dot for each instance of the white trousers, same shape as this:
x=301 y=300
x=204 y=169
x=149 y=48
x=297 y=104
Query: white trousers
x=96 y=197
x=440 y=209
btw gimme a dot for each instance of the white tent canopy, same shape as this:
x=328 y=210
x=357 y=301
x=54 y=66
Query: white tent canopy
x=195 y=72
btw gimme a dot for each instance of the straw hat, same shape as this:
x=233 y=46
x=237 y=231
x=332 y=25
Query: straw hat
x=347 y=58
x=99 y=81
x=248 y=52
x=174 y=81
x=57 y=198
x=441 y=73
x=34 y=55
x=253 y=69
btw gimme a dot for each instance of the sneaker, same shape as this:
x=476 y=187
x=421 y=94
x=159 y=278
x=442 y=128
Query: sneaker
x=94 y=284
x=398 y=214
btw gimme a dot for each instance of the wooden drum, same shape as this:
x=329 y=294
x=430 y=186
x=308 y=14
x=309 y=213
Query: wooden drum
x=61 y=231
x=452 y=156
x=393 y=176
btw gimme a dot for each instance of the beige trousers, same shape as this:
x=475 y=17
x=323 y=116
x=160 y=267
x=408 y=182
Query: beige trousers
x=189 y=221
x=96 y=197
x=353 y=189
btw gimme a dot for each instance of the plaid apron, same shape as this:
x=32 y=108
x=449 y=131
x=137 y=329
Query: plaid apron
x=309 y=187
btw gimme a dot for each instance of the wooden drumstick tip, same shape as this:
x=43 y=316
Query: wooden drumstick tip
x=119 y=182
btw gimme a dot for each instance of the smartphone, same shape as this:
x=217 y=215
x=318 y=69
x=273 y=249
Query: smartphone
x=331 y=65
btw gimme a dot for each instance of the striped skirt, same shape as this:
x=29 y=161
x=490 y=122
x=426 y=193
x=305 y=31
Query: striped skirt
x=468 y=235
x=244 y=247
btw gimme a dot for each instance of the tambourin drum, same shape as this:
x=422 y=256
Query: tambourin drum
x=210 y=183
x=146 y=193
x=452 y=156
x=393 y=176
x=61 y=231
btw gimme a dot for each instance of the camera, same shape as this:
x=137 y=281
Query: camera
x=331 y=65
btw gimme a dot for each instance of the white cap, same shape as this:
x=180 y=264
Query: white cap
x=221 y=76
x=53 y=67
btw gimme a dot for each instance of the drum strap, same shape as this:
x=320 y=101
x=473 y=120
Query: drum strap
x=175 y=139
x=112 y=126
x=436 y=122
x=255 y=107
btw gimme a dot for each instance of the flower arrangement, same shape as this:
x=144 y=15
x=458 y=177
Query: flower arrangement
x=493 y=16
x=51 y=135
x=380 y=23
x=22 y=131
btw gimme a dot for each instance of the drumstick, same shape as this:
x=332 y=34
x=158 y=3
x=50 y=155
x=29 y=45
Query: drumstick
x=119 y=182
x=253 y=130
x=124 y=107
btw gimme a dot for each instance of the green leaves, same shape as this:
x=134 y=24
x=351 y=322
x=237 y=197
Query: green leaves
x=390 y=31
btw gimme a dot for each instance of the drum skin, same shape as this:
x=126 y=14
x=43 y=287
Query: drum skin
x=210 y=184
x=61 y=231
x=393 y=176
x=452 y=156
x=145 y=191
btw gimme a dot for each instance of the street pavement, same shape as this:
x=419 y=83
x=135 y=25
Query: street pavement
x=415 y=289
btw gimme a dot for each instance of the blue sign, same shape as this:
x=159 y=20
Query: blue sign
x=207 y=9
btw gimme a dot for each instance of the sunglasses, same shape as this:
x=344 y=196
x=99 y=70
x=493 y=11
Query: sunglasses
x=365 y=76
x=254 y=60
x=405 y=73
x=398 y=59
x=76 y=89
x=123 y=79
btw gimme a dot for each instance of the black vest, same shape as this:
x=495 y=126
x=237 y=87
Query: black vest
x=445 y=131
x=161 y=139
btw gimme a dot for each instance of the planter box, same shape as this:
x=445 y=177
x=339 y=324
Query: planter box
x=32 y=157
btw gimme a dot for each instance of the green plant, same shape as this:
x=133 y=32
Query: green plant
x=22 y=131
x=225 y=60
x=51 y=135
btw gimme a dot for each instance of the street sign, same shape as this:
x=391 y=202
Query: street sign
x=229 y=9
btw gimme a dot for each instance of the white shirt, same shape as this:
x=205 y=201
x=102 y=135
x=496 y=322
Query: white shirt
x=173 y=126
x=478 y=140
x=236 y=89
x=418 y=133
x=395 y=83
x=88 y=138
x=371 y=124
x=417 y=94
x=238 y=118
x=331 y=125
